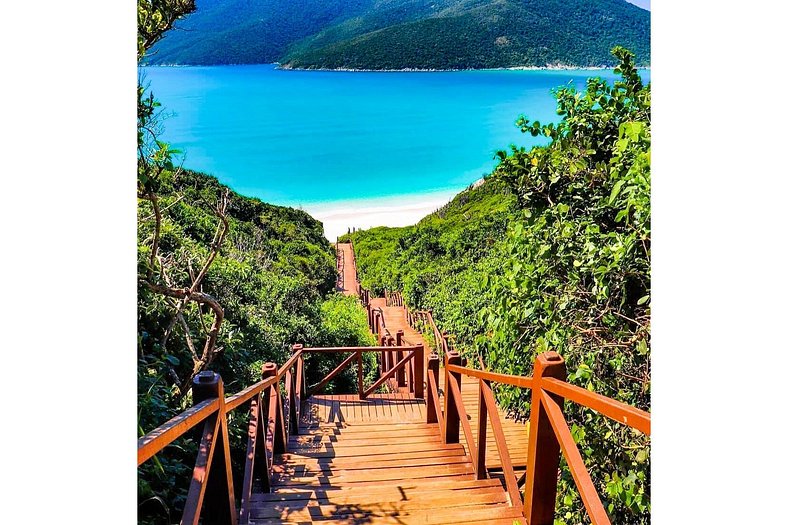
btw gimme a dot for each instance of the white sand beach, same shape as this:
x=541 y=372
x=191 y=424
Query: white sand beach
x=400 y=210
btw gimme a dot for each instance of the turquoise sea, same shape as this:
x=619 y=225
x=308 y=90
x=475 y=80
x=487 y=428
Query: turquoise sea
x=303 y=138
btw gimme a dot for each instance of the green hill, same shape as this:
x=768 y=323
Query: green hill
x=402 y=34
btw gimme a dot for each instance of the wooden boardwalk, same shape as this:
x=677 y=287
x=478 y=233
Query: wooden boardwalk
x=377 y=460
x=516 y=432
x=346 y=265
x=372 y=458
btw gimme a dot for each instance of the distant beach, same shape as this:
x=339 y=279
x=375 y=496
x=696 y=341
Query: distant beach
x=399 y=210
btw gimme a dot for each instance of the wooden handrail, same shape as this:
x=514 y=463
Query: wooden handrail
x=236 y=400
x=547 y=441
x=549 y=434
x=487 y=400
x=433 y=403
x=272 y=417
x=390 y=372
x=331 y=375
x=247 y=393
x=577 y=467
x=340 y=349
x=621 y=412
x=152 y=442
x=463 y=417
x=520 y=381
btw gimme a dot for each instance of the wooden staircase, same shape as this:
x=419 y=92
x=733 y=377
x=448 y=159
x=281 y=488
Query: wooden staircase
x=435 y=448
x=384 y=470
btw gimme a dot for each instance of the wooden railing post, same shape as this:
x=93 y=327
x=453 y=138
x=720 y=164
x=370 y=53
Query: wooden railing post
x=481 y=439
x=418 y=372
x=295 y=393
x=401 y=371
x=262 y=469
x=302 y=381
x=544 y=451
x=384 y=362
x=211 y=487
x=392 y=356
x=360 y=373
x=277 y=414
x=433 y=405
x=452 y=430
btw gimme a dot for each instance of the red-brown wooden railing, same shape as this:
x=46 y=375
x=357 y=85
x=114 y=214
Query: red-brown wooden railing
x=549 y=434
x=395 y=361
x=422 y=320
x=273 y=417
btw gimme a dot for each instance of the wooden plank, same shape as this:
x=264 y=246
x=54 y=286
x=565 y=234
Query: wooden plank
x=406 y=489
x=377 y=508
x=390 y=474
x=361 y=514
x=444 y=450
x=301 y=441
x=315 y=466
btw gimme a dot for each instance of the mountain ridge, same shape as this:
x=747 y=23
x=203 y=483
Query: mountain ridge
x=407 y=34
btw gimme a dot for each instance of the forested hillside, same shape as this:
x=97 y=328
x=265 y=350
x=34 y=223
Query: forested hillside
x=244 y=32
x=401 y=34
x=551 y=253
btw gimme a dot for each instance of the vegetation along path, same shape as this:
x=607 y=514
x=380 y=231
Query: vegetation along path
x=377 y=460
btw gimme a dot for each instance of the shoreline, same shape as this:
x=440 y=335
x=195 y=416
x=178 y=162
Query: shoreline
x=406 y=70
x=393 y=211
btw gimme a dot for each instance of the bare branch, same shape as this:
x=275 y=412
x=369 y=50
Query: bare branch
x=188 y=336
x=218 y=239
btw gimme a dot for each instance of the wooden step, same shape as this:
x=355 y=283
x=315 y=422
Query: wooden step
x=312 y=465
x=344 y=477
x=335 y=506
x=408 y=489
x=377 y=461
x=359 y=513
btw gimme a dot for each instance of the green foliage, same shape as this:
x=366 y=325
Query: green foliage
x=565 y=266
x=577 y=279
x=442 y=262
x=398 y=34
x=343 y=322
x=155 y=17
x=271 y=277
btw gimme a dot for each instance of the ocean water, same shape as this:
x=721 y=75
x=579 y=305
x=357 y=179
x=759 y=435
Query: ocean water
x=312 y=138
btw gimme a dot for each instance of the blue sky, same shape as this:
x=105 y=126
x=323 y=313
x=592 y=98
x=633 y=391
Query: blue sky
x=645 y=4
